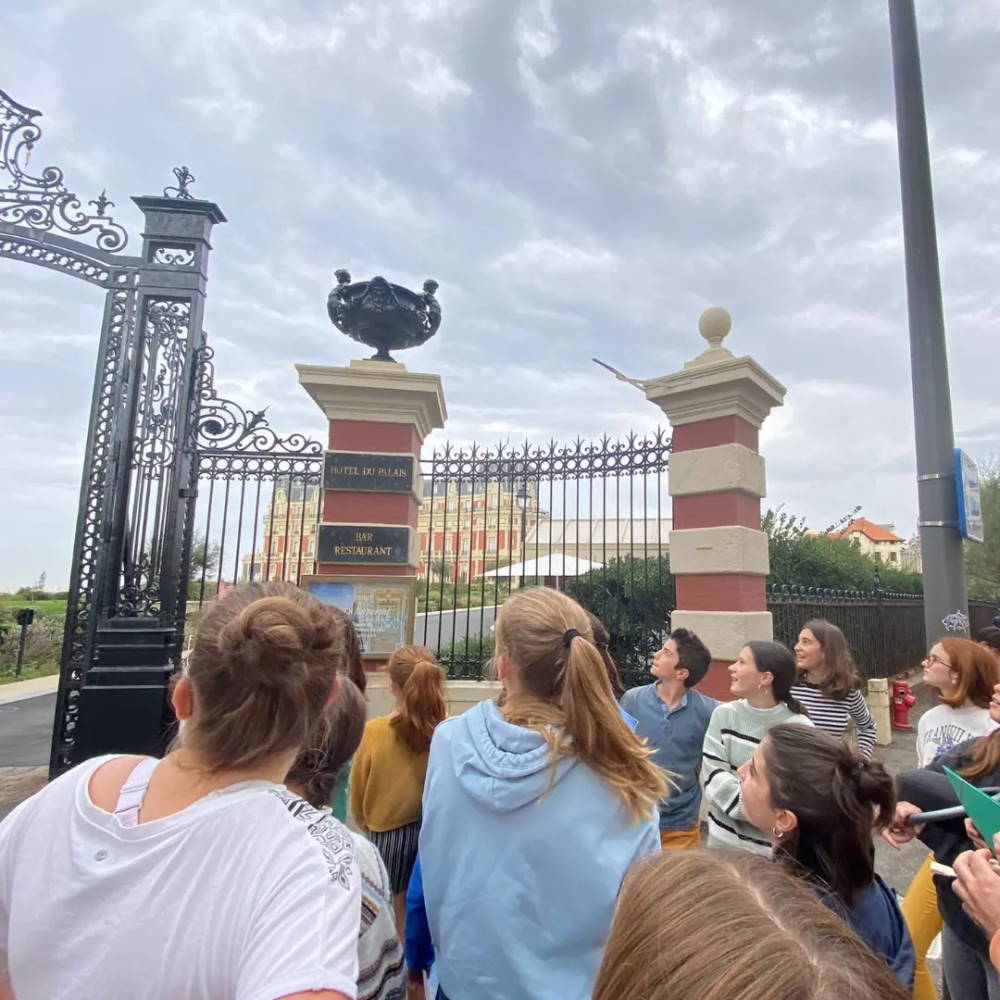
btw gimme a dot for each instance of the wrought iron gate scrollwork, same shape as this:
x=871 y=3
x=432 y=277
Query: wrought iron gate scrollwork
x=223 y=425
x=54 y=258
x=164 y=344
x=42 y=202
x=245 y=470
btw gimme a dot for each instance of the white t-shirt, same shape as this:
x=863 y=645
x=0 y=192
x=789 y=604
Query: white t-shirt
x=942 y=728
x=247 y=894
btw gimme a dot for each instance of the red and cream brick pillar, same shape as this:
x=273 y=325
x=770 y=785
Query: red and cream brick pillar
x=718 y=553
x=379 y=415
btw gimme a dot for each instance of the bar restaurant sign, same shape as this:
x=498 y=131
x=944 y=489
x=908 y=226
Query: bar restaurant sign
x=365 y=543
x=368 y=472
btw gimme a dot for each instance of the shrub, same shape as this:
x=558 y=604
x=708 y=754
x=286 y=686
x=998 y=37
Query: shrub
x=42 y=650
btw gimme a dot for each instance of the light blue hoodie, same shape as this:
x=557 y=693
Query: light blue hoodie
x=521 y=872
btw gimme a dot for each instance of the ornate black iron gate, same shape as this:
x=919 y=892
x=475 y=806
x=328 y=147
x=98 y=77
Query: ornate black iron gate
x=133 y=534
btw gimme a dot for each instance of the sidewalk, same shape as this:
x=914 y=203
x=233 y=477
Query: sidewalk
x=19 y=690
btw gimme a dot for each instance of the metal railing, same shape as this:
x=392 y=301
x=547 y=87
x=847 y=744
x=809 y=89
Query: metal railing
x=496 y=519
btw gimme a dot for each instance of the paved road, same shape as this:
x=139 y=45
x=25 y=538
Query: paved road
x=25 y=731
x=448 y=623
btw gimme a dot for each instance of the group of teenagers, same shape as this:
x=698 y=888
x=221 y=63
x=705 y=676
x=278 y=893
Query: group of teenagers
x=543 y=844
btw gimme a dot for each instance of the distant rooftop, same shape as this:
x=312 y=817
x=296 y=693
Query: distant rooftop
x=876 y=532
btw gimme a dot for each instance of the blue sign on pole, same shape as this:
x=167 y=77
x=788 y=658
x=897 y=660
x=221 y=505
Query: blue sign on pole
x=970 y=504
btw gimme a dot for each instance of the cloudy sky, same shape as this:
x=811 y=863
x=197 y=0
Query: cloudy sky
x=583 y=178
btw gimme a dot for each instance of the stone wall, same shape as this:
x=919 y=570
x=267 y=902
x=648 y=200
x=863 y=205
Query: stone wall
x=461 y=694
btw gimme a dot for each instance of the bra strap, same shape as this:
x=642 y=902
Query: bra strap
x=133 y=792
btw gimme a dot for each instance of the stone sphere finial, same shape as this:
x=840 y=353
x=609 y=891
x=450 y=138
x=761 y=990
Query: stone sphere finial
x=714 y=325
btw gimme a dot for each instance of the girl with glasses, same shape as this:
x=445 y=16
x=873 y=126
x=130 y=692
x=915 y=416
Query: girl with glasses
x=965 y=950
x=963 y=674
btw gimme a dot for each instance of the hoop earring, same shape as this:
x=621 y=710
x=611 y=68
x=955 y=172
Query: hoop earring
x=776 y=833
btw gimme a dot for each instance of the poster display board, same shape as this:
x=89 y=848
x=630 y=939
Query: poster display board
x=381 y=607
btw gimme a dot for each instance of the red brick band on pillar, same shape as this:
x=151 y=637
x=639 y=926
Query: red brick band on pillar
x=718 y=553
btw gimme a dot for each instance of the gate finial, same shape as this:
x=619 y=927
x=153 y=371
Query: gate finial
x=184 y=180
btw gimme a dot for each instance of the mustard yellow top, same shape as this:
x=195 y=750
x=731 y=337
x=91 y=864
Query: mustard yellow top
x=387 y=779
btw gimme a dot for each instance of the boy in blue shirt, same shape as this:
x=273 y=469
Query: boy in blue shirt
x=673 y=717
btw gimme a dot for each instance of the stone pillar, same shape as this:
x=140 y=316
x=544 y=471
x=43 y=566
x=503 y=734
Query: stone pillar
x=718 y=553
x=878 y=705
x=379 y=415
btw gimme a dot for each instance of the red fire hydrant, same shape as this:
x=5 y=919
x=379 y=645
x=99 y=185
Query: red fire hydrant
x=902 y=702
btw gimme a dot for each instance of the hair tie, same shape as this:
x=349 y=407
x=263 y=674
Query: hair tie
x=569 y=635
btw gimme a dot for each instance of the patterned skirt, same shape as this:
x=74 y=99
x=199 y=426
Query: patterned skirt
x=399 y=852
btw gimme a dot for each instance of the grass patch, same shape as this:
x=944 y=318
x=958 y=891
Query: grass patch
x=47 y=609
x=29 y=673
x=42 y=650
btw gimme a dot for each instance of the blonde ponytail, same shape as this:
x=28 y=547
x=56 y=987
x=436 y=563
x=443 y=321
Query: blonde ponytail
x=568 y=697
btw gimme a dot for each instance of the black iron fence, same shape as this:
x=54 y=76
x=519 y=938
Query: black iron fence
x=492 y=520
x=885 y=630
x=589 y=518
x=500 y=518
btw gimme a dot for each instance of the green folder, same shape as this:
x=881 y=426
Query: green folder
x=979 y=807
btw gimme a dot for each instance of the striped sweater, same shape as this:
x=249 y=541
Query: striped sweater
x=380 y=954
x=734 y=731
x=832 y=716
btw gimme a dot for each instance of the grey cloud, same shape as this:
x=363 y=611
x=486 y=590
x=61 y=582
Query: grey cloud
x=582 y=178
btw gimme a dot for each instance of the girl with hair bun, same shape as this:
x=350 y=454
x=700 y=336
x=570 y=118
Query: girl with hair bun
x=535 y=807
x=199 y=875
x=387 y=776
x=820 y=801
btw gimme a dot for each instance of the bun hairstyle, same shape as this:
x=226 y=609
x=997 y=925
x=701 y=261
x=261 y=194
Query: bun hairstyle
x=729 y=925
x=421 y=701
x=841 y=673
x=320 y=764
x=262 y=668
x=778 y=660
x=566 y=695
x=837 y=798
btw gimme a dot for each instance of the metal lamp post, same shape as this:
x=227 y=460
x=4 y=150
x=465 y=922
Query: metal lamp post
x=522 y=495
x=940 y=541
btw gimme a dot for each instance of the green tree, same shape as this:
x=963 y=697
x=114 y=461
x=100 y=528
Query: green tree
x=204 y=562
x=982 y=559
x=36 y=592
x=803 y=558
x=633 y=598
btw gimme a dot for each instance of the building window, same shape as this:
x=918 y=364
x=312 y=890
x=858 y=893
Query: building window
x=465 y=545
x=893 y=557
x=491 y=544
